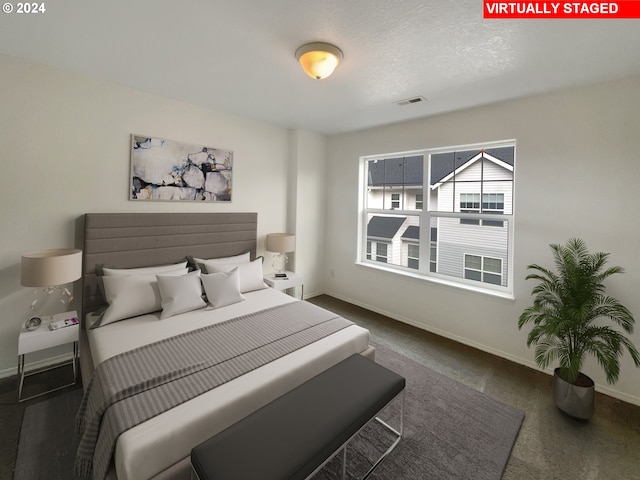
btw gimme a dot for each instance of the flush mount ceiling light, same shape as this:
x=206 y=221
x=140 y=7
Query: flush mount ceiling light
x=319 y=59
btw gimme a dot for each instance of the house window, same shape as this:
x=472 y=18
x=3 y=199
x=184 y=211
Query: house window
x=483 y=269
x=381 y=252
x=452 y=195
x=413 y=256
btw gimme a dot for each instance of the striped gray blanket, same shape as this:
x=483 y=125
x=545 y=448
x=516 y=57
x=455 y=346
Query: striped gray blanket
x=137 y=385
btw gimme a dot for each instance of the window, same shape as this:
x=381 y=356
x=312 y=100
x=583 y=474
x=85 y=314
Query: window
x=413 y=256
x=418 y=201
x=381 y=252
x=483 y=269
x=444 y=214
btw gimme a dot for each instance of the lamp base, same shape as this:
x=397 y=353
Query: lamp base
x=279 y=263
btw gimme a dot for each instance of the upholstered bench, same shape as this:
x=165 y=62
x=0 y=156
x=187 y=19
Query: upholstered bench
x=294 y=436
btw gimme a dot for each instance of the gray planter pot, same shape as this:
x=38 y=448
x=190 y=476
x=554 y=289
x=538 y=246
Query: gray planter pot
x=576 y=401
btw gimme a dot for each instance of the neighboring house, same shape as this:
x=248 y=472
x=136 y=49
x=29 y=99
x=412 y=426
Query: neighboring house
x=474 y=182
x=396 y=183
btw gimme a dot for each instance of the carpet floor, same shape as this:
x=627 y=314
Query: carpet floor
x=451 y=432
x=48 y=441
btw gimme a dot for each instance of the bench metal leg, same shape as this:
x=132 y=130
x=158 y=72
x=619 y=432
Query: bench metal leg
x=399 y=433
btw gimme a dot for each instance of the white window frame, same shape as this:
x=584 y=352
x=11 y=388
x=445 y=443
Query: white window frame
x=425 y=215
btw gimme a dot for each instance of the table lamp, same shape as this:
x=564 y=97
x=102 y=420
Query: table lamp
x=50 y=270
x=281 y=244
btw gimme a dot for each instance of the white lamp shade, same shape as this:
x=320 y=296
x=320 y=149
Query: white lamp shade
x=281 y=242
x=48 y=268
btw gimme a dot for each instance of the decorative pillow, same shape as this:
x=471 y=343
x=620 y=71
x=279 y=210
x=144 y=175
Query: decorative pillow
x=180 y=294
x=222 y=288
x=131 y=295
x=242 y=258
x=250 y=273
x=112 y=272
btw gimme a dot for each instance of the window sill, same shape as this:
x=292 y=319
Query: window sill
x=439 y=281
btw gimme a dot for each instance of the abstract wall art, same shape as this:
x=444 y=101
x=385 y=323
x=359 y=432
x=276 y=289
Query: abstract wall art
x=173 y=171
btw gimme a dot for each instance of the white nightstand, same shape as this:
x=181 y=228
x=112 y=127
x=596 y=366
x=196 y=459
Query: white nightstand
x=43 y=338
x=292 y=280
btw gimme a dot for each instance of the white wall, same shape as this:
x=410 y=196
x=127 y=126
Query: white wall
x=577 y=171
x=64 y=150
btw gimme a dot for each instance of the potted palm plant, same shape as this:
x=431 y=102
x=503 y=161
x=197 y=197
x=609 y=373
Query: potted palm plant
x=568 y=313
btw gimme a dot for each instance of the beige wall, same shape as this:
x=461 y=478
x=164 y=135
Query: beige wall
x=64 y=150
x=577 y=173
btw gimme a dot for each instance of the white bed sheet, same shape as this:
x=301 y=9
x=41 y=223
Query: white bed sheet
x=158 y=443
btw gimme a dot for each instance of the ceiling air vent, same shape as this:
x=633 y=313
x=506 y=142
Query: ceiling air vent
x=411 y=100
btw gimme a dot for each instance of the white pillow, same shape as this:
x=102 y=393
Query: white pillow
x=112 y=272
x=242 y=258
x=250 y=273
x=180 y=294
x=131 y=295
x=222 y=288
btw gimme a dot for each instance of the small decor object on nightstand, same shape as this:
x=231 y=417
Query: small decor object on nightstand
x=281 y=244
x=33 y=323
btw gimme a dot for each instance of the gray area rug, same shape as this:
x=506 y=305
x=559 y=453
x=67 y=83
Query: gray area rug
x=48 y=442
x=452 y=432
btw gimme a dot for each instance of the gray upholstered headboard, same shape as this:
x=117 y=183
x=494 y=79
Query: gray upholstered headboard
x=128 y=240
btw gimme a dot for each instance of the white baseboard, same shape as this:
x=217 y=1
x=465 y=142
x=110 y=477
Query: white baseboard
x=513 y=358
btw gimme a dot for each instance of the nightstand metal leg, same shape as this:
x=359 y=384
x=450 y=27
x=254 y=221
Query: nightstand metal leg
x=22 y=374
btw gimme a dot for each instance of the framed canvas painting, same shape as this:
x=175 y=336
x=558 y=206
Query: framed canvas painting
x=173 y=171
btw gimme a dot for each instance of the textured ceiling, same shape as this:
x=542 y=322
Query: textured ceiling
x=238 y=55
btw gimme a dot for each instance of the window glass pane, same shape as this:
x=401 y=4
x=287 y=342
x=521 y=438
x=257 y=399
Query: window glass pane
x=462 y=245
x=398 y=234
x=492 y=265
x=393 y=183
x=491 y=278
x=472 y=261
x=473 y=275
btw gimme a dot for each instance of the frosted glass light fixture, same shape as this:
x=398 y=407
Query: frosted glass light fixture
x=281 y=244
x=319 y=59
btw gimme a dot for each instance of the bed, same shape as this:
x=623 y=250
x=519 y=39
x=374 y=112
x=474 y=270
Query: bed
x=159 y=447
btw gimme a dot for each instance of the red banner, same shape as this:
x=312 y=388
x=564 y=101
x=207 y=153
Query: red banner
x=562 y=9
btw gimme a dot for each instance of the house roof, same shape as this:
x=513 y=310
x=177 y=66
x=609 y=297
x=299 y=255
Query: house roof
x=408 y=171
x=405 y=171
x=384 y=227
x=444 y=164
x=412 y=233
